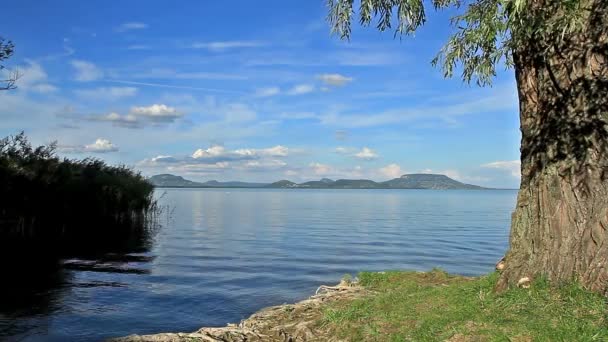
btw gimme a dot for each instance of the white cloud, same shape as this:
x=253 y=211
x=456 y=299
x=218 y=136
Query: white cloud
x=366 y=153
x=162 y=158
x=86 y=71
x=213 y=151
x=255 y=165
x=266 y=92
x=291 y=173
x=99 y=146
x=131 y=26
x=107 y=93
x=31 y=78
x=157 y=112
x=512 y=166
x=224 y=45
x=335 y=80
x=329 y=171
x=321 y=169
x=31 y=74
x=392 y=171
x=219 y=152
x=129 y=120
x=219 y=159
x=44 y=88
x=276 y=151
x=301 y=89
x=200 y=168
x=138 y=117
x=343 y=150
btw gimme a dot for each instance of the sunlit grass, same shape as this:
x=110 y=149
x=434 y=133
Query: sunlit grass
x=435 y=306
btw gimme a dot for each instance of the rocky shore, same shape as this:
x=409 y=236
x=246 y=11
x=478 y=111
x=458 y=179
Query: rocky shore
x=285 y=323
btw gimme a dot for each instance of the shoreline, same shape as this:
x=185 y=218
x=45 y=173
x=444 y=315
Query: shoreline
x=420 y=306
x=285 y=322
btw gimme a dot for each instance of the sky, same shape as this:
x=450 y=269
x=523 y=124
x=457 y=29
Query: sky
x=253 y=91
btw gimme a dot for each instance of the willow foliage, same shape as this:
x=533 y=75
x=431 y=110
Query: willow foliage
x=487 y=32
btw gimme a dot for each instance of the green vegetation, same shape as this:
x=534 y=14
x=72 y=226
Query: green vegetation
x=435 y=306
x=63 y=204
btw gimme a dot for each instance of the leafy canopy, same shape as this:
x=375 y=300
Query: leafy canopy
x=487 y=31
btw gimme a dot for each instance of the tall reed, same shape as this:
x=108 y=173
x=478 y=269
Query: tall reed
x=71 y=204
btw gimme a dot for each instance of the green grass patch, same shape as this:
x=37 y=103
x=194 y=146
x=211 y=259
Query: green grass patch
x=436 y=306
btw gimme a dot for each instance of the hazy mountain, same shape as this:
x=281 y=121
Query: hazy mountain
x=172 y=181
x=410 y=181
x=216 y=184
x=426 y=181
x=168 y=180
x=282 y=184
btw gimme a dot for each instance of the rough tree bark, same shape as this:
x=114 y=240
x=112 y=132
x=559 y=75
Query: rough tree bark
x=560 y=225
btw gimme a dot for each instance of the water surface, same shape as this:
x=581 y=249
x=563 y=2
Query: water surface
x=225 y=253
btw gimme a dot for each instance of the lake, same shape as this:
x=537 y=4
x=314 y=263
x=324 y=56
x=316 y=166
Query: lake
x=223 y=254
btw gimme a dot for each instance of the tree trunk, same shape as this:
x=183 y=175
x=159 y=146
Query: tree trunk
x=560 y=225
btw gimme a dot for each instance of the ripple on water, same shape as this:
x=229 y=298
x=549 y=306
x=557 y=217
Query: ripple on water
x=223 y=256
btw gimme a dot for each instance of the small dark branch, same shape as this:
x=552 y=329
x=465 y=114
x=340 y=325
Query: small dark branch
x=554 y=79
x=559 y=53
x=10 y=82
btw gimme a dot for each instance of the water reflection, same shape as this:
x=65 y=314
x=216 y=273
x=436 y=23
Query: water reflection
x=38 y=283
x=224 y=254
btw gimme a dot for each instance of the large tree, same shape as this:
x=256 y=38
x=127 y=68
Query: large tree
x=559 y=52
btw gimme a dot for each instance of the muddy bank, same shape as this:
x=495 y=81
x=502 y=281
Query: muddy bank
x=284 y=323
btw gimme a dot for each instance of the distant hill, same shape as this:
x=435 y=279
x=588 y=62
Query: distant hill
x=216 y=184
x=282 y=184
x=168 y=180
x=427 y=181
x=410 y=181
x=172 y=181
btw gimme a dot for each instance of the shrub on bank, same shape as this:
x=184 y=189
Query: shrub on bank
x=56 y=200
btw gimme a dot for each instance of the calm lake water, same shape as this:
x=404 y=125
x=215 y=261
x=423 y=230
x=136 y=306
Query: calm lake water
x=222 y=254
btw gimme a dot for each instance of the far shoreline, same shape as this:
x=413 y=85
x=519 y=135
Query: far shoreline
x=310 y=188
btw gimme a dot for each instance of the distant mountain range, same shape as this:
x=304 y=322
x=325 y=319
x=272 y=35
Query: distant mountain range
x=172 y=181
x=410 y=181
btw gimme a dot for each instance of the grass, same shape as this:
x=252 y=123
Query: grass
x=435 y=306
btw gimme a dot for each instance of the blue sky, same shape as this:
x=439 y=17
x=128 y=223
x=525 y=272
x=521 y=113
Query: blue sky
x=256 y=91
